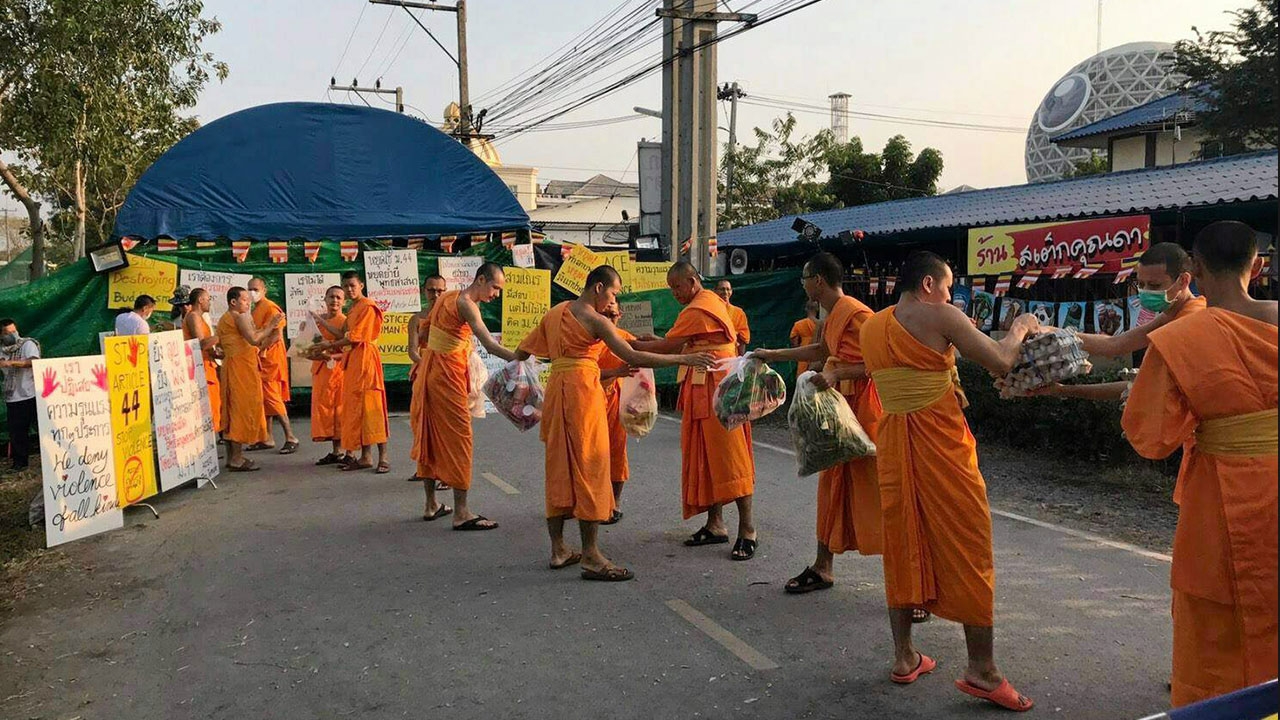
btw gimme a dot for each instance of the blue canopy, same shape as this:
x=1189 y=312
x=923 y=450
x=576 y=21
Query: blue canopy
x=317 y=171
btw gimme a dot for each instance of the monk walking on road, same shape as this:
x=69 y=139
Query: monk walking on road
x=244 y=418
x=574 y=417
x=326 y=382
x=937 y=524
x=1212 y=376
x=194 y=327
x=273 y=364
x=432 y=288
x=444 y=451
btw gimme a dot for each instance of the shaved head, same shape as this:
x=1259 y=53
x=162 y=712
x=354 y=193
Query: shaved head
x=683 y=269
x=684 y=281
x=1226 y=247
x=920 y=265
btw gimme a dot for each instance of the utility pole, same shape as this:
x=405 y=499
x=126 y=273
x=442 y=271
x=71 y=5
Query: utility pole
x=377 y=89
x=465 y=131
x=730 y=92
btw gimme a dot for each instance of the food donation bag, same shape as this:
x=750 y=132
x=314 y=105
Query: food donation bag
x=517 y=393
x=1044 y=359
x=749 y=391
x=638 y=403
x=824 y=429
x=479 y=376
x=307 y=334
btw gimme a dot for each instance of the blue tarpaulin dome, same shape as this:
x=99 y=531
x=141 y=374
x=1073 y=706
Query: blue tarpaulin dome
x=317 y=171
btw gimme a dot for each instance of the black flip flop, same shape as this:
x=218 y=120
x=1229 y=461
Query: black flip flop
x=289 y=448
x=613 y=573
x=474 y=525
x=613 y=518
x=330 y=459
x=807 y=582
x=744 y=549
x=259 y=446
x=573 y=559
x=705 y=537
x=440 y=512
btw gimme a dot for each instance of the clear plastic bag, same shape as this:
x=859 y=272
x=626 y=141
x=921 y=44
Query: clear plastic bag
x=638 y=403
x=307 y=334
x=479 y=376
x=824 y=429
x=749 y=391
x=517 y=393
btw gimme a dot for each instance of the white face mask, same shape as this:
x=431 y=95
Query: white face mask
x=254 y=295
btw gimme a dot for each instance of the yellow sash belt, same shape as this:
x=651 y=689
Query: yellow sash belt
x=700 y=374
x=565 y=364
x=1251 y=434
x=907 y=390
x=439 y=340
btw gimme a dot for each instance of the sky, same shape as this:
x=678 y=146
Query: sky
x=986 y=62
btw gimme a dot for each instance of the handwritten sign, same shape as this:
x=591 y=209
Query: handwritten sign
x=1050 y=246
x=129 y=387
x=144 y=276
x=76 y=456
x=217 y=284
x=391 y=277
x=459 y=272
x=646 y=276
x=393 y=342
x=575 y=268
x=186 y=447
x=621 y=261
x=525 y=300
x=303 y=291
x=522 y=255
x=637 y=317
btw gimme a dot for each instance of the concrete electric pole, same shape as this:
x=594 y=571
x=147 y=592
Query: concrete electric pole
x=730 y=92
x=377 y=89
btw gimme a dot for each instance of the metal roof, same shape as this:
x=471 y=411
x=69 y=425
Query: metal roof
x=1238 y=178
x=1152 y=113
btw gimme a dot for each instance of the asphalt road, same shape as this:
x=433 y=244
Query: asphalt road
x=304 y=592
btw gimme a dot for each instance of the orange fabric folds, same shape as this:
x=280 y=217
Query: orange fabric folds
x=273 y=364
x=803 y=332
x=741 y=328
x=326 y=391
x=619 y=466
x=210 y=372
x=364 y=393
x=443 y=447
x=243 y=418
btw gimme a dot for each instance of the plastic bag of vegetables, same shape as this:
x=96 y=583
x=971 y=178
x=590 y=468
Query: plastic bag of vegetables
x=824 y=429
x=517 y=393
x=749 y=391
x=638 y=403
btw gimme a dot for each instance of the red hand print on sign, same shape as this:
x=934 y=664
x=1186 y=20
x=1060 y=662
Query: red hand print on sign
x=191 y=363
x=133 y=352
x=100 y=376
x=50 y=382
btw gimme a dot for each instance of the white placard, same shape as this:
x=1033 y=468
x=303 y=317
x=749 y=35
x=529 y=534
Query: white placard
x=102 y=338
x=391 y=277
x=299 y=291
x=459 y=272
x=186 y=448
x=522 y=255
x=217 y=283
x=76 y=451
x=493 y=364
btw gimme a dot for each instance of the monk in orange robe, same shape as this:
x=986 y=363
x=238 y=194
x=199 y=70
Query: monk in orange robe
x=444 y=448
x=574 y=418
x=364 y=390
x=1212 y=376
x=194 y=327
x=742 y=330
x=613 y=368
x=432 y=288
x=716 y=465
x=937 y=524
x=273 y=365
x=326 y=382
x=803 y=332
x=244 y=419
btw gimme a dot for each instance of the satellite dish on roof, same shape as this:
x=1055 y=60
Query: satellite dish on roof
x=737 y=261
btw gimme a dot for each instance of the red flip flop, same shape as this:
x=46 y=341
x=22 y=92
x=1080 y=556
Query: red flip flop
x=1004 y=695
x=924 y=667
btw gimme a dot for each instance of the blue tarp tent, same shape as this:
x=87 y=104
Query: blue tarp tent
x=317 y=171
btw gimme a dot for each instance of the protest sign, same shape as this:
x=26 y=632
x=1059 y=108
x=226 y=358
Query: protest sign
x=458 y=272
x=186 y=447
x=144 y=276
x=575 y=268
x=525 y=299
x=129 y=386
x=391 y=280
x=303 y=291
x=393 y=342
x=522 y=256
x=217 y=284
x=647 y=276
x=621 y=261
x=637 y=317
x=76 y=456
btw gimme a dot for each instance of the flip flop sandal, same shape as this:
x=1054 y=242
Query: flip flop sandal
x=440 y=512
x=613 y=573
x=442 y=486
x=924 y=667
x=920 y=615
x=705 y=537
x=744 y=549
x=613 y=518
x=383 y=468
x=1004 y=695
x=807 y=582
x=414 y=478
x=289 y=448
x=248 y=466
x=573 y=559
x=329 y=459
x=259 y=446
x=474 y=524
x=348 y=467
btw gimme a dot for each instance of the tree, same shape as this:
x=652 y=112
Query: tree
x=778 y=175
x=90 y=92
x=1095 y=164
x=1235 y=73
x=856 y=177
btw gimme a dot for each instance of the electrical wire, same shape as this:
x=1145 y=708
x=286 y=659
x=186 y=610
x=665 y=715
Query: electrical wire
x=759 y=101
x=374 y=49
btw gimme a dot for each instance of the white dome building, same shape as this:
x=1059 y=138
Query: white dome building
x=1106 y=84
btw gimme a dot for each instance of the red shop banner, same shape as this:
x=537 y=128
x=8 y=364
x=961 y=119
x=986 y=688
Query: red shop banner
x=1048 y=247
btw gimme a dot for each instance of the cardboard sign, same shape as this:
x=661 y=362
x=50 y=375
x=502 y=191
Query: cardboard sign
x=525 y=300
x=575 y=269
x=301 y=291
x=621 y=261
x=391 y=278
x=186 y=446
x=217 y=283
x=144 y=276
x=77 y=459
x=522 y=256
x=393 y=342
x=1050 y=246
x=647 y=276
x=129 y=387
x=637 y=317
x=459 y=272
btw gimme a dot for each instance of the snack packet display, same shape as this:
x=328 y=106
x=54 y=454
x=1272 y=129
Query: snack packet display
x=517 y=393
x=749 y=391
x=824 y=429
x=638 y=403
x=1046 y=358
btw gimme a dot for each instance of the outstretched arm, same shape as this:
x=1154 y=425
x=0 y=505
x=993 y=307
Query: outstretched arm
x=1111 y=391
x=815 y=352
x=667 y=345
x=335 y=330
x=258 y=337
x=471 y=315
x=600 y=326
x=997 y=357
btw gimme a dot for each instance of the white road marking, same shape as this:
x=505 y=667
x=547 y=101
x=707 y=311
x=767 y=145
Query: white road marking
x=728 y=640
x=499 y=483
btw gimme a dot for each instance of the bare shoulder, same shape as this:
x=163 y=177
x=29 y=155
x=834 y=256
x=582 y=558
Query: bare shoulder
x=1269 y=311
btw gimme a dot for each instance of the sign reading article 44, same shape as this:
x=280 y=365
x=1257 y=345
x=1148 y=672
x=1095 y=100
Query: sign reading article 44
x=129 y=386
x=185 y=443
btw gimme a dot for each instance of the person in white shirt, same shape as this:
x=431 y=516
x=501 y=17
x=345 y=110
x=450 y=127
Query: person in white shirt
x=134 y=322
x=19 y=389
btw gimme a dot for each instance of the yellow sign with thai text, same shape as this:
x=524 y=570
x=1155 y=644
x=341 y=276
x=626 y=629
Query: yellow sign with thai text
x=128 y=371
x=621 y=261
x=144 y=276
x=575 y=268
x=393 y=342
x=525 y=300
x=647 y=276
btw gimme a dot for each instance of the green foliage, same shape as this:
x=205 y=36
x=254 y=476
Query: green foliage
x=1095 y=164
x=857 y=177
x=778 y=175
x=1235 y=71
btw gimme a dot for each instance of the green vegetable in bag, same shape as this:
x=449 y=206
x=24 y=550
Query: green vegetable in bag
x=824 y=429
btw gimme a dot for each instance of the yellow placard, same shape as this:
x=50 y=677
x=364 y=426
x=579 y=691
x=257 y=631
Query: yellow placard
x=621 y=261
x=128 y=371
x=575 y=268
x=525 y=300
x=144 y=276
x=393 y=342
x=649 y=276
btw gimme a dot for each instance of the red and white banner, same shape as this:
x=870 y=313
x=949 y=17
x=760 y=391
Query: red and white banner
x=350 y=250
x=1104 y=242
x=240 y=250
x=278 y=250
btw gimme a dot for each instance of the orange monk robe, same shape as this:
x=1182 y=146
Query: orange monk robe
x=849 y=515
x=741 y=329
x=210 y=371
x=937 y=524
x=1211 y=366
x=326 y=390
x=716 y=465
x=364 y=392
x=802 y=334
x=574 y=418
x=619 y=467
x=243 y=417
x=1192 y=306
x=417 y=384
x=444 y=450
x=273 y=364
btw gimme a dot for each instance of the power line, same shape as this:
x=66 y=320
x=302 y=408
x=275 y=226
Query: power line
x=347 y=47
x=800 y=99
x=759 y=101
x=374 y=49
